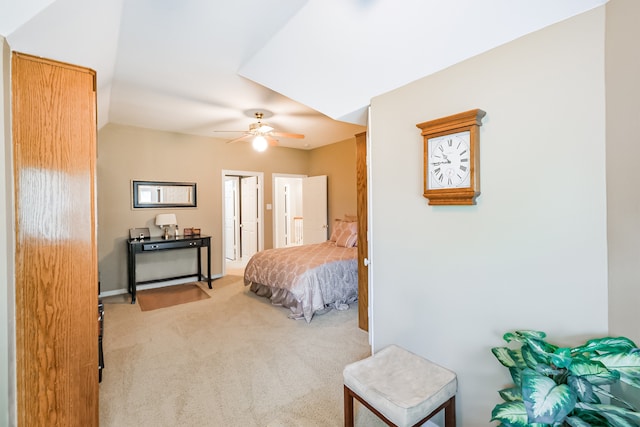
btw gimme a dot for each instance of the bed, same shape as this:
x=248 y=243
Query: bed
x=308 y=279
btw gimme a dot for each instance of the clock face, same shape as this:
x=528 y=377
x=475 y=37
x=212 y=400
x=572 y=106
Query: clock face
x=449 y=161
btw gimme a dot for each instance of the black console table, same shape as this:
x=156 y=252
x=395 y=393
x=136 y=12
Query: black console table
x=156 y=244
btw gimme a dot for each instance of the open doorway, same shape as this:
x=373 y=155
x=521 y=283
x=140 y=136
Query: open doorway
x=299 y=210
x=287 y=210
x=243 y=227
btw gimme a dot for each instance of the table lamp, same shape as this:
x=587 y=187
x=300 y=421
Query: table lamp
x=164 y=221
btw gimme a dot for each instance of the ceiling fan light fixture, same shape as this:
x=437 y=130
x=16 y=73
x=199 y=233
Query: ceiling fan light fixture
x=264 y=128
x=259 y=143
x=260 y=128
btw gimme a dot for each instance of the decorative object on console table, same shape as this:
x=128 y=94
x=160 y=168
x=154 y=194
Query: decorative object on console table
x=452 y=159
x=139 y=233
x=195 y=231
x=165 y=221
x=187 y=231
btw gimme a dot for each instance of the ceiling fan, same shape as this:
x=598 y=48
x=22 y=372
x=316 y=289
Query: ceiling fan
x=262 y=134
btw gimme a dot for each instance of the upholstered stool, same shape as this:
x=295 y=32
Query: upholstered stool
x=401 y=388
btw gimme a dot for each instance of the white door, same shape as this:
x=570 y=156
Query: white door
x=286 y=214
x=231 y=224
x=287 y=208
x=249 y=216
x=314 y=209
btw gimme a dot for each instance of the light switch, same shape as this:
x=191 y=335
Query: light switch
x=268 y=206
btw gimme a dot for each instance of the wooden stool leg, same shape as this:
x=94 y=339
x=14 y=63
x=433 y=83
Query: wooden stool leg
x=348 y=408
x=450 y=413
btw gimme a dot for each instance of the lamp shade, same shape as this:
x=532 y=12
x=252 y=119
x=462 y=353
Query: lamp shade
x=166 y=219
x=259 y=143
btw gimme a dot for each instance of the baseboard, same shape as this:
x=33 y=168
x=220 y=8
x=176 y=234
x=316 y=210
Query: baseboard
x=156 y=285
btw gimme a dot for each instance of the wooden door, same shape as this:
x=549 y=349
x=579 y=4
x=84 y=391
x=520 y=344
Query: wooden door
x=54 y=147
x=363 y=249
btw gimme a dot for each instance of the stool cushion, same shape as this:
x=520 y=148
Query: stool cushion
x=403 y=386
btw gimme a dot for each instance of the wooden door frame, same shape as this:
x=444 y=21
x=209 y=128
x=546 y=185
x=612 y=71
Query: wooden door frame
x=56 y=264
x=363 y=242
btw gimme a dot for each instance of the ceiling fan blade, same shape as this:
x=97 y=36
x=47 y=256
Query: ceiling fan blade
x=240 y=138
x=286 y=135
x=271 y=141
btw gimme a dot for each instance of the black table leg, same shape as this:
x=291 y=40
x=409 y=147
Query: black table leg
x=132 y=277
x=209 y=265
x=199 y=263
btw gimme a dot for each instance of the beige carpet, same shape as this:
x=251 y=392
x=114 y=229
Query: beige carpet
x=230 y=360
x=153 y=299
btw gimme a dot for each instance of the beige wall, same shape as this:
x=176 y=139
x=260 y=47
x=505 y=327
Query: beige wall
x=7 y=347
x=534 y=90
x=127 y=153
x=623 y=114
x=448 y=282
x=338 y=161
x=623 y=208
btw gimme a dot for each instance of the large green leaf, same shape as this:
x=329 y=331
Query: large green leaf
x=541 y=350
x=562 y=357
x=513 y=394
x=590 y=417
x=510 y=413
x=508 y=357
x=593 y=371
x=593 y=418
x=583 y=389
x=611 y=410
x=523 y=335
x=512 y=336
x=605 y=392
x=529 y=357
x=516 y=376
x=577 y=422
x=618 y=421
x=629 y=363
x=503 y=355
x=548 y=371
x=607 y=345
x=546 y=402
x=632 y=380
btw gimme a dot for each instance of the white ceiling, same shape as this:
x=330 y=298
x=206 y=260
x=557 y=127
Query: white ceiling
x=198 y=66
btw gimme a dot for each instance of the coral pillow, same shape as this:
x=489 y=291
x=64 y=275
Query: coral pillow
x=344 y=233
x=347 y=240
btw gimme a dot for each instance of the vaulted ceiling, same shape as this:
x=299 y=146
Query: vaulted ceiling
x=203 y=66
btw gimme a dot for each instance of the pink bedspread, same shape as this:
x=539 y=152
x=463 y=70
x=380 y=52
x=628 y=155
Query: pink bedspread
x=308 y=279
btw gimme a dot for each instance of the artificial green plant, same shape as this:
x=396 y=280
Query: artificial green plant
x=560 y=386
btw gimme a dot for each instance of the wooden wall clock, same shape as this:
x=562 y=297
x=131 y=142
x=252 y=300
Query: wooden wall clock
x=452 y=158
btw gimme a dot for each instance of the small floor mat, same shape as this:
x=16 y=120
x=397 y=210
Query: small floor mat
x=152 y=299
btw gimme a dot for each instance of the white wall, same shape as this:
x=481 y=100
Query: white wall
x=447 y=282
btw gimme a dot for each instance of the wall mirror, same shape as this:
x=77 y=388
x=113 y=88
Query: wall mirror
x=156 y=194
